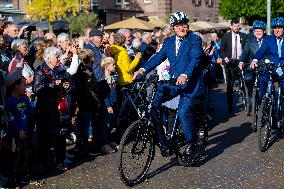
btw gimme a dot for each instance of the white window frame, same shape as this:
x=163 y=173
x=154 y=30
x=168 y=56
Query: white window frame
x=119 y=3
x=126 y=2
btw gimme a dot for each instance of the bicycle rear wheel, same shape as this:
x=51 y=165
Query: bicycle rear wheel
x=254 y=112
x=264 y=122
x=244 y=95
x=136 y=152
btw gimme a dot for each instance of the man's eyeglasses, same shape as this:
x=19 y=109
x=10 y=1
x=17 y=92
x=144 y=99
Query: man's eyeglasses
x=182 y=26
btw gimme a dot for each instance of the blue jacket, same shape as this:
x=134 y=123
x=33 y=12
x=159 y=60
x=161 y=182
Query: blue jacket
x=269 y=47
x=19 y=110
x=186 y=62
x=110 y=97
x=98 y=55
x=143 y=47
x=216 y=52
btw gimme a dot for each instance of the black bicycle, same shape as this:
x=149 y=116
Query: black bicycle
x=271 y=108
x=137 y=146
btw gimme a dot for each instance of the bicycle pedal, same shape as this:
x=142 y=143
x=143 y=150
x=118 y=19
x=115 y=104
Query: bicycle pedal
x=166 y=153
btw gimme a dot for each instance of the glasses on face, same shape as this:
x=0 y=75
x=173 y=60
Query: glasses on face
x=182 y=26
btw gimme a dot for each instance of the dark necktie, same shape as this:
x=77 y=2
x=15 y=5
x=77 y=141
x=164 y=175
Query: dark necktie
x=259 y=42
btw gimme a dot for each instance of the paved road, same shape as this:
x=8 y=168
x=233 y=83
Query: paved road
x=232 y=160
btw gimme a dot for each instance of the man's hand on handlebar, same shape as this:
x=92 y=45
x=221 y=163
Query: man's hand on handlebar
x=181 y=80
x=241 y=65
x=137 y=73
x=253 y=65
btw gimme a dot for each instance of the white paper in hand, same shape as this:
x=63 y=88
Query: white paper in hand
x=279 y=71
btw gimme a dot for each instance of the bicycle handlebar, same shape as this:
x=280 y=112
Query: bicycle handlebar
x=154 y=79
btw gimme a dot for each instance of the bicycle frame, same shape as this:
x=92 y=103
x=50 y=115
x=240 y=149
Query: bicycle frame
x=130 y=99
x=278 y=96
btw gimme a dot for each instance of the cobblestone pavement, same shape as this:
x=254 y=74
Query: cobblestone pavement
x=232 y=160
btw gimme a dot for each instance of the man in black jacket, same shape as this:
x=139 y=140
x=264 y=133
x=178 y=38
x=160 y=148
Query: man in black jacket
x=231 y=50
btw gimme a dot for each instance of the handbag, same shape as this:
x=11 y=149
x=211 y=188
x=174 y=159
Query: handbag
x=63 y=103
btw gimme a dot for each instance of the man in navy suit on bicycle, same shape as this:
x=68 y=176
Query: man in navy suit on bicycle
x=273 y=46
x=184 y=52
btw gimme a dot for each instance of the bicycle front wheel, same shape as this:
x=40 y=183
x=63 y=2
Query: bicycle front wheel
x=264 y=123
x=136 y=152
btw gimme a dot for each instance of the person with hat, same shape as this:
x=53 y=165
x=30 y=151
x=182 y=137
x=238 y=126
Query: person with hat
x=184 y=52
x=94 y=44
x=253 y=43
x=272 y=47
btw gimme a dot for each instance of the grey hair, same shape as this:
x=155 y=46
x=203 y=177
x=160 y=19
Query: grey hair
x=146 y=35
x=51 y=52
x=61 y=37
x=206 y=38
x=214 y=34
x=136 y=43
x=123 y=31
x=166 y=27
x=38 y=41
x=17 y=43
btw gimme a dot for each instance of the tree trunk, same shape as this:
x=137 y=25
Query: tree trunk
x=50 y=27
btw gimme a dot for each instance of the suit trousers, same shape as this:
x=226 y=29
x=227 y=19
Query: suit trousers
x=186 y=109
x=232 y=71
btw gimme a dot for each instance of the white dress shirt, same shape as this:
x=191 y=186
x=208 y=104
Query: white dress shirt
x=178 y=44
x=239 y=45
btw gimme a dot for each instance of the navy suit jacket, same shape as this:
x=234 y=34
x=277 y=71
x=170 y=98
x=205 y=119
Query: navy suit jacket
x=186 y=62
x=270 y=47
x=250 y=49
x=98 y=55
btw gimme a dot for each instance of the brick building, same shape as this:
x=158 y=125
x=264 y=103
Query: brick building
x=113 y=10
x=206 y=10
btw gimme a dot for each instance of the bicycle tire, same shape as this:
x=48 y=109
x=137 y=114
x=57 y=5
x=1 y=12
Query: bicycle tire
x=264 y=123
x=137 y=130
x=254 y=109
x=200 y=147
x=246 y=103
x=243 y=94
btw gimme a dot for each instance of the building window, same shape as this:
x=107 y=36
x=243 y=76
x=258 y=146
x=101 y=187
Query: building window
x=119 y=1
x=147 y=1
x=209 y=3
x=196 y=2
x=122 y=1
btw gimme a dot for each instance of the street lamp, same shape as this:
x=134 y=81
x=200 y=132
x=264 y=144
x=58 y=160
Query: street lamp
x=268 y=16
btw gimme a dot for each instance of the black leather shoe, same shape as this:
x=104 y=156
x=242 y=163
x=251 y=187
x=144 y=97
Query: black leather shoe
x=165 y=151
x=189 y=150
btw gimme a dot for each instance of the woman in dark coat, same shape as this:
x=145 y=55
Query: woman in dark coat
x=46 y=86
